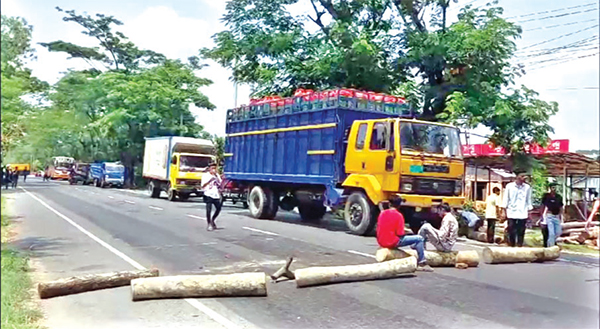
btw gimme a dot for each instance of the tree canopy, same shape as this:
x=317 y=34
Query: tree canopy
x=458 y=73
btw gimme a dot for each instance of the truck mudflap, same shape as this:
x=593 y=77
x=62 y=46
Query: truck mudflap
x=428 y=201
x=334 y=196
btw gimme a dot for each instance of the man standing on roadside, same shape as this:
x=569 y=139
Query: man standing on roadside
x=491 y=213
x=390 y=233
x=15 y=178
x=211 y=183
x=517 y=204
x=553 y=214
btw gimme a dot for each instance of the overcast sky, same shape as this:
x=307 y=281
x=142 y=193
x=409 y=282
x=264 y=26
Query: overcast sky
x=179 y=28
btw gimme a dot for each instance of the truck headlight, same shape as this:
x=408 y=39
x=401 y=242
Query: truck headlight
x=406 y=187
x=106 y=176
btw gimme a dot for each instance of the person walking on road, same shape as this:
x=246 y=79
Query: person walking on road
x=491 y=213
x=6 y=175
x=516 y=205
x=15 y=178
x=595 y=210
x=211 y=183
x=553 y=214
x=390 y=233
x=444 y=238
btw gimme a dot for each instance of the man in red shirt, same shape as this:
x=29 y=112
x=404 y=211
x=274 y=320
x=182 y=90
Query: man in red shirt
x=390 y=233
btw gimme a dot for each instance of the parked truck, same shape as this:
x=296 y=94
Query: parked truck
x=107 y=174
x=343 y=156
x=175 y=165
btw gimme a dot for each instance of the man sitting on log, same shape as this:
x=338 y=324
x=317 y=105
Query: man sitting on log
x=444 y=238
x=390 y=233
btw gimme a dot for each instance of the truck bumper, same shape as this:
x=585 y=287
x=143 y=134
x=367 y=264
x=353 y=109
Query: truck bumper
x=188 y=189
x=428 y=201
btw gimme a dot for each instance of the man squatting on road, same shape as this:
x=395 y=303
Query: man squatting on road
x=444 y=238
x=517 y=204
x=390 y=233
x=211 y=183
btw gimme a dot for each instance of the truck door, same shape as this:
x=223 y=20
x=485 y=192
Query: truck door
x=382 y=159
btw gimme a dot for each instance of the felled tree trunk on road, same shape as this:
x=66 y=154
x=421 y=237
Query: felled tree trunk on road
x=478 y=236
x=90 y=282
x=573 y=231
x=570 y=225
x=496 y=255
x=195 y=286
x=313 y=276
x=434 y=258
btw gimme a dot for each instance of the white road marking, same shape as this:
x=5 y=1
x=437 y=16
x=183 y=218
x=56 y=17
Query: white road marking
x=259 y=231
x=361 y=253
x=577 y=262
x=111 y=197
x=197 y=217
x=155 y=208
x=130 y=202
x=195 y=303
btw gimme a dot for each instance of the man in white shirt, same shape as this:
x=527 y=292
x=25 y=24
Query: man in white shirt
x=491 y=213
x=517 y=204
x=444 y=238
x=211 y=184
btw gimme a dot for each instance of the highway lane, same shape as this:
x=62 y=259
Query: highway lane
x=172 y=237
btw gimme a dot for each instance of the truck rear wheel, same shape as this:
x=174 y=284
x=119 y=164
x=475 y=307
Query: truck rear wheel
x=312 y=212
x=360 y=214
x=262 y=203
x=153 y=190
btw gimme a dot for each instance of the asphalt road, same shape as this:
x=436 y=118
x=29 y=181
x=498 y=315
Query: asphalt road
x=172 y=237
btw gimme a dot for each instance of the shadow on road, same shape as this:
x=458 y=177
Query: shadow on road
x=39 y=246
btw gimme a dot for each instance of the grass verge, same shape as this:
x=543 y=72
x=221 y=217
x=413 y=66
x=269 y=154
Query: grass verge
x=17 y=310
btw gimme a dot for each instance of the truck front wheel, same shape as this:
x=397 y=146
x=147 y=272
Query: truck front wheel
x=262 y=203
x=360 y=214
x=171 y=194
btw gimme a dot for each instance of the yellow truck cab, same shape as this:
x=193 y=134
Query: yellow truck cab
x=417 y=160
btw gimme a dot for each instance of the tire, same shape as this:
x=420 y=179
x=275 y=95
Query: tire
x=360 y=214
x=262 y=203
x=311 y=212
x=171 y=194
x=245 y=205
x=153 y=190
x=184 y=196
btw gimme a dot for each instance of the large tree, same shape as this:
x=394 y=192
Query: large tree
x=457 y=72
x=127 y=94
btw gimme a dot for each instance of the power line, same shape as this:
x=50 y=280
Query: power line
x=553 y=26
x=552 y=11
x=555 y=59
x=579 y=43
x=557 y=16
x=562 y=62
x=575 y=88
x=560 y=36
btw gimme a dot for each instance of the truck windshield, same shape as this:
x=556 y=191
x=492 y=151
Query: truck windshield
x=114 y=168
x=430 y=138
x=194 y=163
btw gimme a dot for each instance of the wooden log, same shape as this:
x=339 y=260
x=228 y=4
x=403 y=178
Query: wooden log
x=434 y=258
x=580 y=224
x=312 y=276
x=496 y=255
x=567 y=240
x=573 y=230
x=582 y=237
x=441 y=258
x=195 y=286
x=478 y=236
x=90 y=282
x=284 y=271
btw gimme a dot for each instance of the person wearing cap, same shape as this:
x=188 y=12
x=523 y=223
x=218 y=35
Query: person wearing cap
x=390 y=233
x=552 y=214
x=444 y=238
x=516 y=205
x=211 y=183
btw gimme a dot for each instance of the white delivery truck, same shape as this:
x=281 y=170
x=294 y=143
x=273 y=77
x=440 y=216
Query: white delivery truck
x=175 y=165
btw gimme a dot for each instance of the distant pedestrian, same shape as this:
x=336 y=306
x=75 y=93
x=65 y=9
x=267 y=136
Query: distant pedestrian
x=15 y=179
x=444 y=238
x=390 y=233
x=592 y=216
x=517 y=204
x=491 y=213
x=6 y=175
x=553 y=214
x=211 y=183
x=25 y=173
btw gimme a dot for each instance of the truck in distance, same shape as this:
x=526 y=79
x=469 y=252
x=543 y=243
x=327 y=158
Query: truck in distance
x=59 y=168
x=107 y=174
x=342 y=152
x=175 y=165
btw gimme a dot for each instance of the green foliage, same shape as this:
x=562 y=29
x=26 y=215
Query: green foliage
x=539 y=185
x=219 y=143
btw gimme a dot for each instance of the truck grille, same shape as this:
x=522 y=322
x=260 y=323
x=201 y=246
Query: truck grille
x=434 y=186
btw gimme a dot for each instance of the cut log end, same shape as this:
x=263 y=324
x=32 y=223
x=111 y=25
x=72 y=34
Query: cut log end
x=461 y=266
